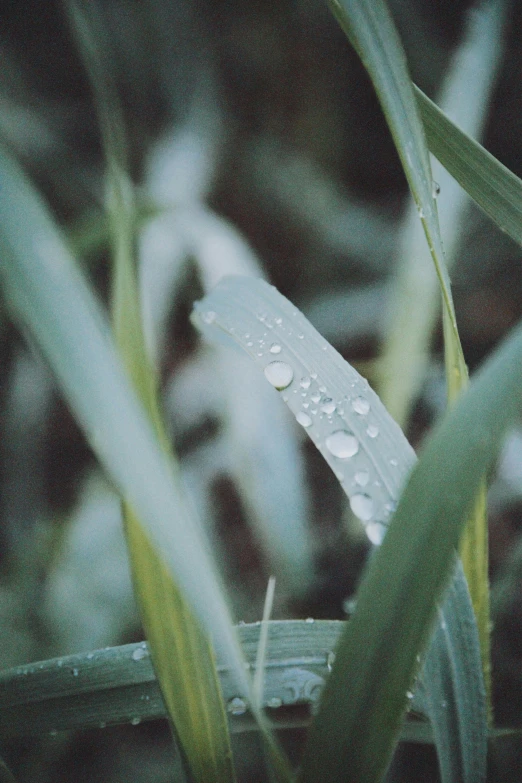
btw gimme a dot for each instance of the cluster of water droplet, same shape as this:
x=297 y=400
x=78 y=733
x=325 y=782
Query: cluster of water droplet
x=322 y=416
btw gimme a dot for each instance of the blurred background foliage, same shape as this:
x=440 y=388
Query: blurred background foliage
x=256 y=146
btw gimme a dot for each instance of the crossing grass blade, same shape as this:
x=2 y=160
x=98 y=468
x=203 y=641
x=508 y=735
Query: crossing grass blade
x=496 y=190
x=180 y=649
x=338 y=410
x=415 y=305
x=49 y=298
x=370 y=28
x=412 y=562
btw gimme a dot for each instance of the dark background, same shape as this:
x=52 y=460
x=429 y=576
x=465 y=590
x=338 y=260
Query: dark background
x=275 y=98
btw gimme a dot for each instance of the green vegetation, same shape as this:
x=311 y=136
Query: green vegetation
x=413 y=662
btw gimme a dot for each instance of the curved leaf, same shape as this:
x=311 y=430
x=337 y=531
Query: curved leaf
x=371 y=458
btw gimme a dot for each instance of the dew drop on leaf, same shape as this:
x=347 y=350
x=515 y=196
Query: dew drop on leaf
x=328 y=405
x=140 y=653
x=275 y=348
x=362 y=477
x=303 y=419
x=362 y=506
x=305 y=383
x=279 y=374
x=375 y=532
x=342 y=444
x=361 y=405
x=372 y=431
x=237 y=706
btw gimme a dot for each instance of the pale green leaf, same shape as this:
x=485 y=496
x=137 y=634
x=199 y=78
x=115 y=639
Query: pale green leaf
x=370 y=28
x=180 y=649
x=372 y=459
x=493 y=186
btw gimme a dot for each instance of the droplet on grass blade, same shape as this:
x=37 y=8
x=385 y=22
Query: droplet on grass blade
x=303 y=419
x=279 y=374
x=362 y=507
x=342 y=444
x=361 y=405
x=237 y=706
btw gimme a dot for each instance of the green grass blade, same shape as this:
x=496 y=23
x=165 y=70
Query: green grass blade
x=419 y=544
x=48 y=297
x=369 y=26
x=118 y=685
x=180 y=649
x=415 y=304
x=370 y=29
x=496 y=190
x=371 y=458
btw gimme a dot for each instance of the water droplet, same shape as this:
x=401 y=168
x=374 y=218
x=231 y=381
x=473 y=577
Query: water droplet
x=315 y=397
x=237 y=706
x=394 y=462
x=330 y=660
x=278 y=320
x=309 y=620
x=361 y=405
x=375 y=532
x=372 y=431
x=279 y=374
x=75 y=672
x=409 y=695
x=342 y=444
x=140 y=653
x=362 y=506
x=421 y=212
x=274 y=702
x=275 y=348
x=435 y=189
x=135 y=721
x=305 y=383
x=328 y=405
x=313 y=376
x=306 y=405
x=362 y=477
x=208 y=317
x=303 y=419
x=250 y=344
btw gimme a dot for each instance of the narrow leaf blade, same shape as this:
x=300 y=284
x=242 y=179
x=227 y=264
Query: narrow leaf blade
x=495 y=188
x=371 y=458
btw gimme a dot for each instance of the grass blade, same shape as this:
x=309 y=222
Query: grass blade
x=369 y=26
x=370 y=29
x=180 y=650
x=48 y=296
x=496 y=190
x=371 y=458
x=415 y=306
